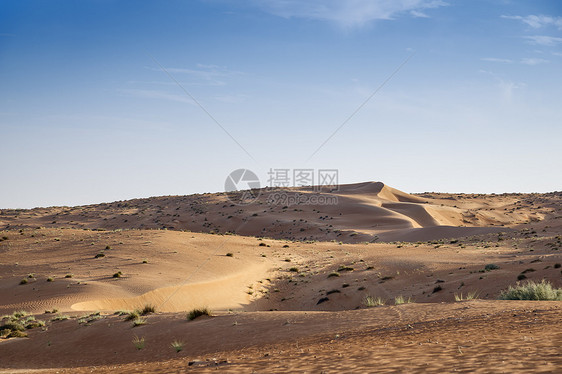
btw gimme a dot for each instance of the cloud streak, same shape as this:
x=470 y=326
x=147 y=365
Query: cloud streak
x=523 y=61
x=533 y=61
x=539 y=21
x=544 y=40
x=494 y=59
x=348 y=13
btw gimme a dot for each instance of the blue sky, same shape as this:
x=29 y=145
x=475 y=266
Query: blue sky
x=87 y=113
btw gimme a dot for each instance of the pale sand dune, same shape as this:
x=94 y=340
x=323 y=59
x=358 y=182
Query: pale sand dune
x=220 y=294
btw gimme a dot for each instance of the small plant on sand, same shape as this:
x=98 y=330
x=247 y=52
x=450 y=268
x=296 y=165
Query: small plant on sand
x=10 y=329
x=132 y=315
x=99 y=255
x=148 y=309
x=138 y=342
x=198 y=312
x=345 y=268
x=469 y=296
x=68 y=276
x=60 y=317
x=532 y=291
x=333 y=274
x=51 y=279
x=118 y=275
x=230 y=254
x=24 y=281
x=294 y=269
x=370 y=301
x=139 y=321
x=19 y=314
x=401 y=300
x=33 y=323
x=177 y=345
x=490 y=267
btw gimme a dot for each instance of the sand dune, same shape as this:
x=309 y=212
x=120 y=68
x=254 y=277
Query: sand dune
x=354 y=213
x=289 y=289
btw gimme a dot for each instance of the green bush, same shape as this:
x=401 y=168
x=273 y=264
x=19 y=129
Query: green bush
x=198 y=313
x=532 y=291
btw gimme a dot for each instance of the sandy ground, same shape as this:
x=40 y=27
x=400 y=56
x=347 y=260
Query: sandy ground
x=285 y=299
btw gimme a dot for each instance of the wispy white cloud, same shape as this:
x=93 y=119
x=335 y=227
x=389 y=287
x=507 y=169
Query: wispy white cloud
x=533 y=61
x=348 y=12
x=524 y=61
x=493 y=59
x=418 y=14
x=539 y=21
x=544 y=40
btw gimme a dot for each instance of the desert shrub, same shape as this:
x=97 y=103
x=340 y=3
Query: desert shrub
x=532 y=291
x=333 y=274
x=198 y=312
x=68 y=276
x=17 y=334
x=60 y=317
x=490 y=267
x=521 y=277
x=401 y=300
x=23 y=281
x=118 y=275
x=99 y=255
x=12 y=326
x=469 y=296
x=138 y=342
x=139 y=321
x=132 y=315
x=148 y=309
x=294 y=269
x=230 y=254
x=371 y=301
x=345 y=268
x=50 y=279
x=177 y=345
x=31 y=324
x=19 y=314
